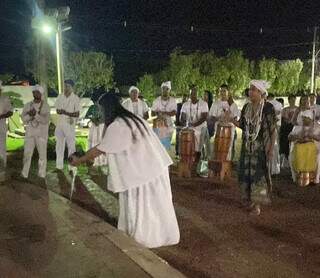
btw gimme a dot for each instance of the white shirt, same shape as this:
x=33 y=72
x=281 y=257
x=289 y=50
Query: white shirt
x=316 y=110
x=132 y=163
x=278 y=108
x=169 y=105
x=39 y=124
x=139 y=108
x=219 y=107
x=5 y=107
x=70 y=104
x=193 y=111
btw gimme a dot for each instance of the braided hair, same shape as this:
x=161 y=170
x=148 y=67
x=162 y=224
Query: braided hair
x=110 y=103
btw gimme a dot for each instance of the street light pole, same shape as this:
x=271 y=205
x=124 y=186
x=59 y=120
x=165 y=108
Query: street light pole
x=60 y=68
x=313 y=59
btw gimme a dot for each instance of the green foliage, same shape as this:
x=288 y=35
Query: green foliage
x=147 y=87
x=15 y=99
x=6 y=77
x=89 y=70
x=267 y=70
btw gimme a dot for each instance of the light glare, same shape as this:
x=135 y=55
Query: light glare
x=46 y=29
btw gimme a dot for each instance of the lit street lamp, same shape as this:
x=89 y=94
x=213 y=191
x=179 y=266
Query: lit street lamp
x=54 y=23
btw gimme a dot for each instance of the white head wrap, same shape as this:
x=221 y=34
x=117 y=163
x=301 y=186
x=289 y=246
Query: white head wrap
x=38 y=88
x=261 y=85
x=307 y=114
x=166 y=84
x=134 y=88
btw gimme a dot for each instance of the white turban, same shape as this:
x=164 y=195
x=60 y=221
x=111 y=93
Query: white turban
x=38 y=88
x=307 y=114
x=166 y=84
x=261 y=85
x=134 y=88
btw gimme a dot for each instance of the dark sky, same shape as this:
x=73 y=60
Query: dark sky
x=155 y=28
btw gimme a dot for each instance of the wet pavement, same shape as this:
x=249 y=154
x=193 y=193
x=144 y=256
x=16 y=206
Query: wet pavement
x=44 y=235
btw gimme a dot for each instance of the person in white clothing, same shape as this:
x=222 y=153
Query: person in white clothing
x=225 y=110
x=68 y=109
x=194 y=114
x=36 y=116
x=165 y=107
x=135 y=105
x=5 y=112
x=314 y=107
x=307 y=132
x=139 y=173
x=96 y=128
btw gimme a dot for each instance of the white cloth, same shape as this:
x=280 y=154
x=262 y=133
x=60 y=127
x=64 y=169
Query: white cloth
x=134 y=88
x=315 y=130
x=217 y=110
x=278 y=108
x=316 y=111
x=261 y=85
x=169 y=105
x=94 y=139
x=38 y=88
x=65 y=129
x=139 y=108
x=166 y=84
x=138 y=169
x=36 y=136
x=5 y=107
x=70 y=104
x=306 y=113
x=193 y=114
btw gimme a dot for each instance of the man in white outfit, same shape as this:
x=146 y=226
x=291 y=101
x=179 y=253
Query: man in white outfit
x=225 y=110
x=68 y=110
x=36 y=116
x=5 y=112
x=194 y=114
x=136 y=105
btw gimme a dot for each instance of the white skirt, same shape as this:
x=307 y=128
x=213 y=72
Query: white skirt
x=147 y=213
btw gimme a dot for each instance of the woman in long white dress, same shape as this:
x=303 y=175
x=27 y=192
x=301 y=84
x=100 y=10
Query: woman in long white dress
x=138 y=171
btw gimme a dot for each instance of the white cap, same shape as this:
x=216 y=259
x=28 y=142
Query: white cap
x=38 y=88
x=166 y=84
x=261 y=85
x=134 y=88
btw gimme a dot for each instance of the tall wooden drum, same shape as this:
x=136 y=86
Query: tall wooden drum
x=222 y=142
x=219 y=165
x=187 y=152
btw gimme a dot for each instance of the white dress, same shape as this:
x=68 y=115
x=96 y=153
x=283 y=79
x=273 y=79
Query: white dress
x=138 y=170
x=139 y=108
x=94 y=139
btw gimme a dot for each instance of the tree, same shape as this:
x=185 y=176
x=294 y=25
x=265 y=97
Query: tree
x=147 y=87
x=89 y=70
x=6 y=77
x=268 y=70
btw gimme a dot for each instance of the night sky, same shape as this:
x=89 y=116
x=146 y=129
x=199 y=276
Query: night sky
x=155 y=28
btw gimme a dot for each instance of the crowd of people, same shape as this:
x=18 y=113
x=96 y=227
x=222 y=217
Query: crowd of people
x=273 y=137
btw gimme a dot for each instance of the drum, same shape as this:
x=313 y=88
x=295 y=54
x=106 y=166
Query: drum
x=186 y=166
x=163 y=132
x=187 y=145
x=159 y=122
x=305 y=162
x=222 y=142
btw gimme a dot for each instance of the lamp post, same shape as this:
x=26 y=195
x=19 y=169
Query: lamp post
x=53 y=23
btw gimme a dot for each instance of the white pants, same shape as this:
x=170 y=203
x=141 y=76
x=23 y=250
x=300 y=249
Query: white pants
x=29 y=144
x=3 y=155
x=64 y=134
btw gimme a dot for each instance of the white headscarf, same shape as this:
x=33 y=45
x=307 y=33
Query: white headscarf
x=134 y=88
x=166 y=84
x=38 y=88
x=261 y=85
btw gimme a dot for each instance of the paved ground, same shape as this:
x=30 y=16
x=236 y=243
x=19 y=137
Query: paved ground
x=218 y=238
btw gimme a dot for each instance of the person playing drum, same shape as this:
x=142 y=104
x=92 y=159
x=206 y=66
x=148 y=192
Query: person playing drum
x=194 y=114
x=165 y=107
x=225 y=110
x=309 y=132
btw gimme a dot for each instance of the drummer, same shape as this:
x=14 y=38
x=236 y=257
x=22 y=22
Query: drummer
x=308 y=131
x=165 y=107
x=194 y=114
x=224 y=110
